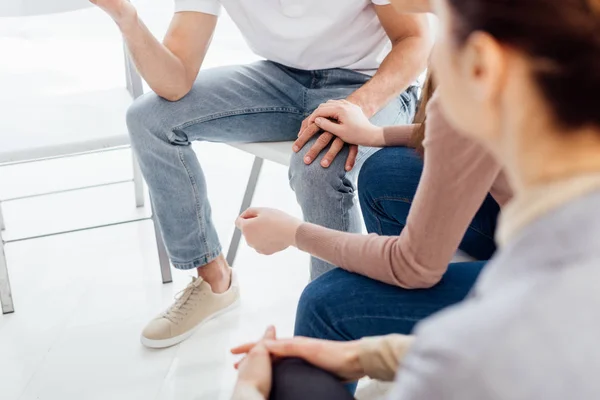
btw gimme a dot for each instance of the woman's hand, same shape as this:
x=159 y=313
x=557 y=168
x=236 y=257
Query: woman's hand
x=346 y=121
x=268 y=231
x=339 y=358
x=256 y=369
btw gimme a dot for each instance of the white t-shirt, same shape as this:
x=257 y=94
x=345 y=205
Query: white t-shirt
x=307 y=34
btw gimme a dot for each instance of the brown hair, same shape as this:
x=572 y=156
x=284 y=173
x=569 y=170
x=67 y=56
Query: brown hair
x=420 y=120
x=562 y=37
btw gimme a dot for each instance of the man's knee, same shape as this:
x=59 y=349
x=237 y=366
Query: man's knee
x=146 y=117
x=313 y=179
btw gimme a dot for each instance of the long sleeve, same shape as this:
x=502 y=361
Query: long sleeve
x=380 y=357
x=457 y=175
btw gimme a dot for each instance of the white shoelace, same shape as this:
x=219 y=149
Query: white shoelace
x=184 y=301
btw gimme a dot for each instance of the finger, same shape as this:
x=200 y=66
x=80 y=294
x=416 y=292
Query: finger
x=311 y=131
x=237 y=364
x=334 y=150
x=327 y=125
x=297 y=347
x=327 y=111
x=243 y=349
x=270 y=334
x=239 y=223
x=250 y=213
x=322 y=142
x=352 y=155
x=303 y=126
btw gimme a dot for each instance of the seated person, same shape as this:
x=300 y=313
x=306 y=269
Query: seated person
x=420 y=211
x=313 y=54
x=521 y=78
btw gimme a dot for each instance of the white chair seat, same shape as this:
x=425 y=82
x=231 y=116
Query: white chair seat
x=278 y=152
x=41 y=127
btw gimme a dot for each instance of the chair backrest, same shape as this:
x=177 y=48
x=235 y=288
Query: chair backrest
x=22 y=8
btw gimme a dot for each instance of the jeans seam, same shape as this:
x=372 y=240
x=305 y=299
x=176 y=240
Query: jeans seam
x=256 y=110
x=481 y=233
x=387 y=198
x=196 y=197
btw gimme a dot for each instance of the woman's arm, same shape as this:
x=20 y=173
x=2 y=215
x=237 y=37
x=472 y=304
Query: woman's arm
x=381 y=356
x=456 y=178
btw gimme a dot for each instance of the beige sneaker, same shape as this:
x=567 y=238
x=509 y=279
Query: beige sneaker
x=195 y=305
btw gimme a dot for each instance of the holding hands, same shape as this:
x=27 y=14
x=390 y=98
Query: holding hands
x=338 y=358
x=341 y=121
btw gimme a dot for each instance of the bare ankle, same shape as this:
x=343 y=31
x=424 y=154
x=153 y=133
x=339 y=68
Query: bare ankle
x=216 y=273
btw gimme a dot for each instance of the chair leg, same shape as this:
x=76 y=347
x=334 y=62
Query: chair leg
x=5 y=291
x=246 y=203
x=2 y=224
x=138 y=182
x=163 y=257
x=133 y=78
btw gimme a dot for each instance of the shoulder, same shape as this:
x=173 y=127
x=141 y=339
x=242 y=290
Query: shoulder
x=523 y=343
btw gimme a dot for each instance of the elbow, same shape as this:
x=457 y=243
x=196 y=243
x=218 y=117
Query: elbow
x=420 y=278
x=426 y=282
x=173 y=95
x=175 y=92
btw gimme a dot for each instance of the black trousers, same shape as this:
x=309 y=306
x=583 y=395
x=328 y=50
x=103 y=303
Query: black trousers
x=295 y=379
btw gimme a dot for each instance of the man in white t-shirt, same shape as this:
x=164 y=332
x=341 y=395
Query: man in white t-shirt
x=315 y=51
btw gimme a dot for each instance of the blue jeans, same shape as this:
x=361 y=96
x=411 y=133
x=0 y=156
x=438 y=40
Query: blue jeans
x=261 y=102
x=344 y=306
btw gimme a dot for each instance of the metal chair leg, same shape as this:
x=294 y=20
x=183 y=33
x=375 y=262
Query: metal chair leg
x=134 y=80
x=2 y=224
x=246 y=203
x=5 y=291
x=138 y=182
x=163 y=256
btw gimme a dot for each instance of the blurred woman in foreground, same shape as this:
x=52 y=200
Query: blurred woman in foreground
x=521 y=77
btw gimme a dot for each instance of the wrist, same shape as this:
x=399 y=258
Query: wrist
x=354 y=359
x=376 y=136
x=368 y=109
x=126 y=16
x=294 y=232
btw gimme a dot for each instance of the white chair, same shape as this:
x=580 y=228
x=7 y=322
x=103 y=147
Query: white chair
x=33 y=143
x=277 y=152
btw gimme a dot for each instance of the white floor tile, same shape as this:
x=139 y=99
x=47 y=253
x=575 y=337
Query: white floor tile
x=82 y=298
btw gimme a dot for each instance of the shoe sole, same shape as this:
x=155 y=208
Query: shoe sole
x=162 y=344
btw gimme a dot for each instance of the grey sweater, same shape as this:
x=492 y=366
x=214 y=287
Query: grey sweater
x=530 y=329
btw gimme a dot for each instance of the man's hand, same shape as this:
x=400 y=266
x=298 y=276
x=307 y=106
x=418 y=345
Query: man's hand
x=256 y=369
x=117 y=9
x=308 y=130
x=268 y=231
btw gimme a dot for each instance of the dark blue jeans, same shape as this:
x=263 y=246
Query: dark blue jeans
x=344 y=306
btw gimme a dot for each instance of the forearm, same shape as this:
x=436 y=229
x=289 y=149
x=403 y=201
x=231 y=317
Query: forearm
x=403 y=65
x=162 y=70
x=398 y=135
x=380 y=357
x=388 y=259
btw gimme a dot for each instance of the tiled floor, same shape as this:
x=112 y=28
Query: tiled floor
x=82 y=299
